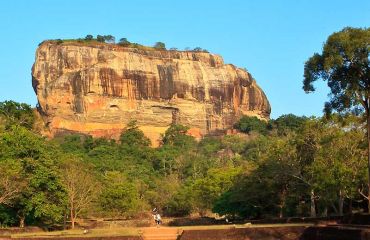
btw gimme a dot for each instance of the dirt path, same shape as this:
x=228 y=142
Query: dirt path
x=160 y=233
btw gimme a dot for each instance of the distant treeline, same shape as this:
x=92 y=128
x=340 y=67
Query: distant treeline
x=290 y=166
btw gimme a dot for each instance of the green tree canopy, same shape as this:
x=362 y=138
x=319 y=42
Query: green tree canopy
x=176 y=136
x=89 y=37
x=345 y=64
x=160 y=46
x=119 y=196
x=133 y=136
x=248 y=124
x=100 y=38
x=124 y=42
x=43 y=197
x=288 y=122
x=17 y=113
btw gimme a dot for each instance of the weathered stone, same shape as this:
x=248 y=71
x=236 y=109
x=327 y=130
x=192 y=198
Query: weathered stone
x=98 y=88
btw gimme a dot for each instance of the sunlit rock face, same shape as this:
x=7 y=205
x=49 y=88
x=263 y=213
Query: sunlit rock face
x=97 y=89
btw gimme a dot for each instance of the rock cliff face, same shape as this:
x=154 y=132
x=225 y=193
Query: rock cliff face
x=98 y=88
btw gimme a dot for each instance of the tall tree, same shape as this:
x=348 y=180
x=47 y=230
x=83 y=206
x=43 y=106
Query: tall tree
x=42 y=198
x=80 y=186
x=339 y=166
x=345 y=64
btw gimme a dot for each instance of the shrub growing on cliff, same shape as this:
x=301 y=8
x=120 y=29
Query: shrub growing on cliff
x=109 y=39
x=105 y=38
x=124 y=42
x=89 y=37
x=160 y=46
x=199 y=49
x=100 y=38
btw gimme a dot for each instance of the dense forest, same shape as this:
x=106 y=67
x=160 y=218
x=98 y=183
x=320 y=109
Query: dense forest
x=289 y=166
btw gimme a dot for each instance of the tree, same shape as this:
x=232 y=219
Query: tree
x=272 y=172
x=119 y=197
x=72 y=143
x=307 y=144
x=248 y=124
x=100 y=38
x=133 y=136
x=345 y=64
x=80 y=186
x=109 y=39
x=17 y=113
x=339 y=166
x=89 y=37
x=160 y=46
x=124 y=42
x=180 y=204
x=42 y=198
x=207 y=190
x=176 y=136
x=288 y=122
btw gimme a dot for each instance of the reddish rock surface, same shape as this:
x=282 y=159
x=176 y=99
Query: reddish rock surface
x=98 y=88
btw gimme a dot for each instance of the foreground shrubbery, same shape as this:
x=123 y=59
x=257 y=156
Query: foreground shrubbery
x=291 y=166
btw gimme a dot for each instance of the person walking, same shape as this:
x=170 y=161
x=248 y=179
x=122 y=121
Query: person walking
x=155 y=216
x=158 y=219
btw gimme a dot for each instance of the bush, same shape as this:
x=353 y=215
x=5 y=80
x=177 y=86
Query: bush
x=124 y=42
x=160 y=46
x=89 y=37
x=100 y=38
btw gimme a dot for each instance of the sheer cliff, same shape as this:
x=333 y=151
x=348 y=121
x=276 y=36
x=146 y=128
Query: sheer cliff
x=98 y=88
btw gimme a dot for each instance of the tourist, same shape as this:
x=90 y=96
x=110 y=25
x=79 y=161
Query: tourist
x=158 y=219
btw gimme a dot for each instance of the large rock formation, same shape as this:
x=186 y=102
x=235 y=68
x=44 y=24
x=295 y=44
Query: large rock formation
x=98 y=88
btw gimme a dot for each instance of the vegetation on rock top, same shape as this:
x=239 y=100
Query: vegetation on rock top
x=123 y=42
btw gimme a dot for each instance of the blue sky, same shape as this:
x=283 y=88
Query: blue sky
x=272 y=39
